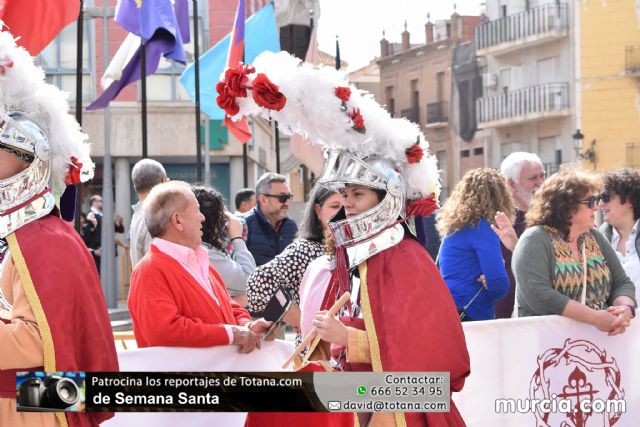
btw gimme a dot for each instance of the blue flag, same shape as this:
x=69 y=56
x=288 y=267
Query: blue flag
x=162 y=26
x=260 y=34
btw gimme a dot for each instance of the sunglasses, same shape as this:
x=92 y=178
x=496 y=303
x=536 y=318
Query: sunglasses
x=591 y=201
x=282 y=198
x=605 y=197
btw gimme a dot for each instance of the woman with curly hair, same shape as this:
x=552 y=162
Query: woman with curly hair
x=563 y=265
x=219 y=224
x=620 y=206
x=470 y=257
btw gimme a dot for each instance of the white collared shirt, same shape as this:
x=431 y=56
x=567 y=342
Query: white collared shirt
x=630 y=261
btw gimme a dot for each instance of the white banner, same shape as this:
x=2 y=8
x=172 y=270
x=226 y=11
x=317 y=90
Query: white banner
x=533 y=371
x=179 y=359
x=524 y=372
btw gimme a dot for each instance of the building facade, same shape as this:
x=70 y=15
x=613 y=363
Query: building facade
x=609 y=80
x=416 y=83
x=527 y=51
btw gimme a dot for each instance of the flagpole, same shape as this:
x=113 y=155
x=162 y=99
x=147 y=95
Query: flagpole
x=245 y=150
x=245 y=165
x=196 y=50
x=143 y=94
x=79 y=61
x=107 y=258
x=277 y=132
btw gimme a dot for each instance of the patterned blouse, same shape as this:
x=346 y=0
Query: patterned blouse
x=569 y=272
x=286 y=269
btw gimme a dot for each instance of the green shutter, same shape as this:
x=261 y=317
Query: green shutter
x=218 y=135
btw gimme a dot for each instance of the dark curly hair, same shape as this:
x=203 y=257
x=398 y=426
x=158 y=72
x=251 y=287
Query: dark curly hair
x=625 y=184
x=214 y=227
x=559 y=198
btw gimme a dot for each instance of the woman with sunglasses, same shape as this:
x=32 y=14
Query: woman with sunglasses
x=563 y=265
x=620 y=206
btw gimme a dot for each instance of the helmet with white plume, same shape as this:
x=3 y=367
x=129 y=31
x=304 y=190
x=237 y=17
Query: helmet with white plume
x=36 y=127
x=363 y=144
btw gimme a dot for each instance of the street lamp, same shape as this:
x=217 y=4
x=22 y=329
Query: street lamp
x=578 y=137
x=589 y=154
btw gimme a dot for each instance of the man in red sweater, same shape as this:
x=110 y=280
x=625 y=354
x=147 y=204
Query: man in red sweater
x=177 y=299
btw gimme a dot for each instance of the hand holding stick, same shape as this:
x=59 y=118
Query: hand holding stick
x=313 y=332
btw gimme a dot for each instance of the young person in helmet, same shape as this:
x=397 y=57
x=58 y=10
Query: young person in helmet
x=401 y=316
x=56 y=316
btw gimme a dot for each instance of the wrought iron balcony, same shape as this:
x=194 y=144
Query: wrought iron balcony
x=523 y=28
x=437 y=112
x=530 y=103
x=632 y=59
x=411 y=114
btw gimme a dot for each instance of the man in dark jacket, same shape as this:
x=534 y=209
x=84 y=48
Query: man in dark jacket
x=270 y=229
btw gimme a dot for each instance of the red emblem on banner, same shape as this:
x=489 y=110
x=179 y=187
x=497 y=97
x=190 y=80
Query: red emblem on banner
x=567 y=376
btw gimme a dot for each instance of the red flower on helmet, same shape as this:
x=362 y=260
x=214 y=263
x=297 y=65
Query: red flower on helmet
x=424 y=207
x=236 y=80
x=226 y=100
x=414 y=153
x=266 y=94
x=358 y=120
x=73 y=175
x=344 y=93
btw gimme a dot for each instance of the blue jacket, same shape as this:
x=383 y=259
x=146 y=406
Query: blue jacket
x=464 y=256
x=263 y=241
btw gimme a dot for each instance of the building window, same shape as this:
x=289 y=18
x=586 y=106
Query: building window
x=478 y=151
x=512 y=147
x=464 y=153
x=391 y=102
x=415 y=94
x=58 y=60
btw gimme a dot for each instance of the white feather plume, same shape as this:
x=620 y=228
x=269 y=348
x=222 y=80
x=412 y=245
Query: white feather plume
x=23 y=88
x=313 y=110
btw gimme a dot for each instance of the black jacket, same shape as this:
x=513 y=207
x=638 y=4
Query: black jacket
x=263 y=241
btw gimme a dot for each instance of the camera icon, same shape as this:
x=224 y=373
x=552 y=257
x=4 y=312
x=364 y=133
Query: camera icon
x=52 y=392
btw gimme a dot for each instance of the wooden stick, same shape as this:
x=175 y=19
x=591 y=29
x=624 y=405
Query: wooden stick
x=312 y=333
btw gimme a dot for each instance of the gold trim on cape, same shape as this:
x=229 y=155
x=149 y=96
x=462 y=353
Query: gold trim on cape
x=376 y=359
x=49 y=353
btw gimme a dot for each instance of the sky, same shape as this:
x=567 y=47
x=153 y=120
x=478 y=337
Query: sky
x=359 y=24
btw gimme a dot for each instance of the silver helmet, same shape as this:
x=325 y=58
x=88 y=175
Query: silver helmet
x=24 y=197
x=344 y=168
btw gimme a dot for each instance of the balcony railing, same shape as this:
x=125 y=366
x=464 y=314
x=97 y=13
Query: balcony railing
x=537 y=21
x=545 y=98
x=437 y=112
x=632 y=59
x=411 y=114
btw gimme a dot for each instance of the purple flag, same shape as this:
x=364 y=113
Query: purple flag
x=161 y=26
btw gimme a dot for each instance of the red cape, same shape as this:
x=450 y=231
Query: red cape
x=411 y=321
x=64 y=291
